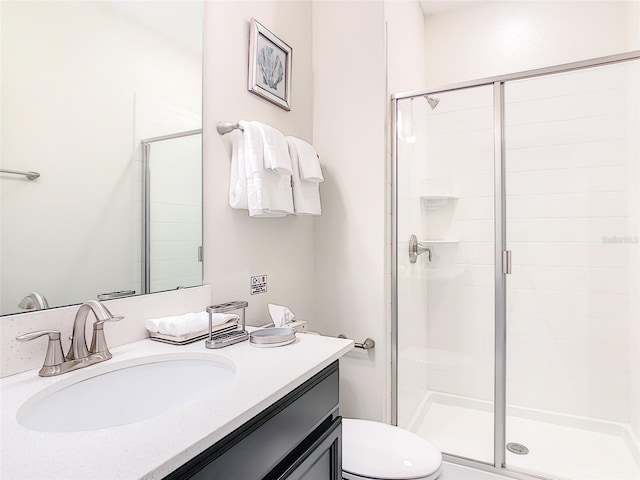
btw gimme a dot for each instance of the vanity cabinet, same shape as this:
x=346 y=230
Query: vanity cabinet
x=296 y=438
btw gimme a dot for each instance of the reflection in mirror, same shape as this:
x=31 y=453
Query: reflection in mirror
x=172 y=211
x=83 y=85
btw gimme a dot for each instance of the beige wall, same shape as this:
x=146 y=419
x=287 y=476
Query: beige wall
x=349 y=132
x=493 y=38
x=237 y=246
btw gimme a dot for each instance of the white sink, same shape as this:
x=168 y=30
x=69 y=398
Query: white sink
x=125 y=393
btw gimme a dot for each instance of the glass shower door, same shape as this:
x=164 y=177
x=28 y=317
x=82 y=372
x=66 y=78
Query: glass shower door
x=445 y=270
x=573 y=333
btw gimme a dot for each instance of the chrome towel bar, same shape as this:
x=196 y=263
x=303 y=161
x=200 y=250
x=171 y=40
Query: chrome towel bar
x=29 y=175
x=368 y=343
x=225 y=127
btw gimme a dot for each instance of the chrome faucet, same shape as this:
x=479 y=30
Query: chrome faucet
x=34 y=301
x=79 y=356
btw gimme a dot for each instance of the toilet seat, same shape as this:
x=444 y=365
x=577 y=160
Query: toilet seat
x=377 y=451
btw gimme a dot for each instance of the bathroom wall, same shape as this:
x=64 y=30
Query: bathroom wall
x=95 y=81
x=237 y=246
x=349 y=104
x=493 y=38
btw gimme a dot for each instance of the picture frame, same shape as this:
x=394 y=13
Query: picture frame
x=270 y=61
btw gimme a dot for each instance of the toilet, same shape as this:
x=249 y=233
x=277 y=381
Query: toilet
x=377 y=451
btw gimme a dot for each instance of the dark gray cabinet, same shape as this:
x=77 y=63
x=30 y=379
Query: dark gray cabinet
x=296 y=438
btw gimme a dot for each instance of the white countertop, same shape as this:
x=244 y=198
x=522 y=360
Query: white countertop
x=155 y=447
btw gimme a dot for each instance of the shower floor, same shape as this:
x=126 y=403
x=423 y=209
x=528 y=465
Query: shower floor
x=559 y=446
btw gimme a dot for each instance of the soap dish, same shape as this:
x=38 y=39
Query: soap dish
x=272 y=337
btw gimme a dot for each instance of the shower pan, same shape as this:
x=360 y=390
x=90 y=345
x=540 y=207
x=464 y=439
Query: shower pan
x=516 y=337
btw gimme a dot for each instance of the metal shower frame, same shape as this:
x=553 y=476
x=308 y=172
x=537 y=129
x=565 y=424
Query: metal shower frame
x=146 y=204
x=498 y=82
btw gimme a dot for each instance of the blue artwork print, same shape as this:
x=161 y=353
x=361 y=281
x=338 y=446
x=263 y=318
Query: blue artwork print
x=270 y=67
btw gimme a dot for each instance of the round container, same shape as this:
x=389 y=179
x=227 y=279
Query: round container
x=272 y=337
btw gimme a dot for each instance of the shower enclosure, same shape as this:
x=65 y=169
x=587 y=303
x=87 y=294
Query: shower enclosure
x=516 y=270
x=171 y=211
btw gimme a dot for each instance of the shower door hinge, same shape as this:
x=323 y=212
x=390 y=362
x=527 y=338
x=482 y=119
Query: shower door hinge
x=506 y=262
x=200 y=253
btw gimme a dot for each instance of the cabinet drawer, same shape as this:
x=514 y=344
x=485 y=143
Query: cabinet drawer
x=262 y=443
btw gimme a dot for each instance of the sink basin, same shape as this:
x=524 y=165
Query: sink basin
x=124 y=395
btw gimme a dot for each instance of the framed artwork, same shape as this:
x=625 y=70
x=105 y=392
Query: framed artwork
x=269 y=66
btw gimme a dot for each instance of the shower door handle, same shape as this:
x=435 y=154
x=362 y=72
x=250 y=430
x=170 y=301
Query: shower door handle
x=506 y=262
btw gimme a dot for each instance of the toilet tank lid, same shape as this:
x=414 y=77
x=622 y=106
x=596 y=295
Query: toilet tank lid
x=381 y=451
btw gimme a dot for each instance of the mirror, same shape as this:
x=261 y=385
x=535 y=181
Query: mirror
x=104 y=101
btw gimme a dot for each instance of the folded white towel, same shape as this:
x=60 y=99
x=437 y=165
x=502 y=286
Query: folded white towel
x=306 y=194
x=238 y=174
x=180 y=325
x=276 y=157
x=269 y=194
x=308 y=163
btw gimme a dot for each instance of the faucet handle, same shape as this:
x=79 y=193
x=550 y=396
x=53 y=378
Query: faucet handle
x=54 y=355
x=98 y=341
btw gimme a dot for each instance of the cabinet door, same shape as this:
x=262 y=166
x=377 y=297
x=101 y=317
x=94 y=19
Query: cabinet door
x=322 y=460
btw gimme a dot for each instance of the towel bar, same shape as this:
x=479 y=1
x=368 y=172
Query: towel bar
x=225 y=127
x=368 y=343
x=30 y=175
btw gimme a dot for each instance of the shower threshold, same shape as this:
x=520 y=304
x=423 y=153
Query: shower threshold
x=566 y=446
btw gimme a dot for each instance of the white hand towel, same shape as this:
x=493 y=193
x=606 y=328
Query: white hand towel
x=253 y=149
x=308 y=163
x=276 y=152
x=268 y=194
x=280 y=315
x=238 y=174
x=306 y=194
x=180 y=325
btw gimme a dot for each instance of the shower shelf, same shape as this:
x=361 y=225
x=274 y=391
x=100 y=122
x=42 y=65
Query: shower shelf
x=436 y=202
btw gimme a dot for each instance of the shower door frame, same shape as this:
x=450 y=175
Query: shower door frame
x=498 y=82
x=145 y=284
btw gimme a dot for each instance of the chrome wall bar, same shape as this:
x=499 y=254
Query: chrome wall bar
x=500 y=366
x=368 y=343
x=227 y=127
x=30 y=175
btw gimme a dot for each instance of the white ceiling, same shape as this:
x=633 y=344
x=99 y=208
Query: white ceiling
x=435 y=6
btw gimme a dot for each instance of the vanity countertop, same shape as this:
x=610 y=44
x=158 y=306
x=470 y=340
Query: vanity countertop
x=153 y=448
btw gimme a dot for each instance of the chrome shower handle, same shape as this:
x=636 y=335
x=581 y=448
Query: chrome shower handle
x=416 y=248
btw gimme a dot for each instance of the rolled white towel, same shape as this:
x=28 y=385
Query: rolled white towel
x=180 y=325
x=153 y=324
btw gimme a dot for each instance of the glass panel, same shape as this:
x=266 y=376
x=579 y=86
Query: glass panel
x=573 y=367
x=175 y=213
x=446 y=298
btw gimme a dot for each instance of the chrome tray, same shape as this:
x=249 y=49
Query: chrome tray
x=193 y=337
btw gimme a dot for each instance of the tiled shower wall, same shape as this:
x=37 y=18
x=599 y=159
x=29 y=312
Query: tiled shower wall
x=572 y=224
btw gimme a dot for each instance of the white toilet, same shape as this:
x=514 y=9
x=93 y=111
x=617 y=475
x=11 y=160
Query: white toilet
x=377 y=451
